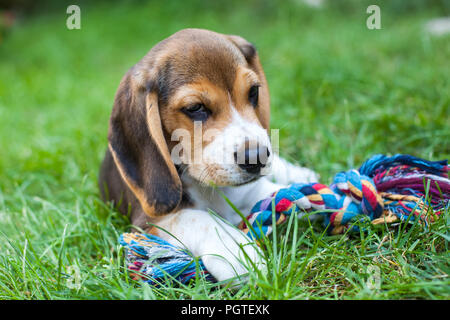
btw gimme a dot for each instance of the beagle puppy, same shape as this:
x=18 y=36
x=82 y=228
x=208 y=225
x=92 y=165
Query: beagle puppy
x=210 y=89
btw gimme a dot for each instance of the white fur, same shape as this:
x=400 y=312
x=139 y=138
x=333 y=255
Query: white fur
x=217 y=164
x=286 y=173
x=216 y=239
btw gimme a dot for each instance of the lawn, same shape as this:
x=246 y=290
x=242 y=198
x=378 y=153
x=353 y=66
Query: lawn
x=340 y=93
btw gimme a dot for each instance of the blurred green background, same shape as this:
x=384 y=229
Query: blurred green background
x=339 y=92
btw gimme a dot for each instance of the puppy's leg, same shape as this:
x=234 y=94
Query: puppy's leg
x=286 y=173
x=220 y=245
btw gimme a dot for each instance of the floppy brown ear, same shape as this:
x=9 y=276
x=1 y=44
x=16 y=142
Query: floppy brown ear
x=251 y=56
x=139 y=149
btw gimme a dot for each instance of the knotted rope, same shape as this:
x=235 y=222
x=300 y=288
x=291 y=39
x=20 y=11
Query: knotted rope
x=151 y=258
x=383 y=190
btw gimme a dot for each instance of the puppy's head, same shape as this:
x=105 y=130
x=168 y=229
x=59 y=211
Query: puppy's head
x=199 y=100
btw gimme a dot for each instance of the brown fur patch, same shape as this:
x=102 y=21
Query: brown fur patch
x=191 y=65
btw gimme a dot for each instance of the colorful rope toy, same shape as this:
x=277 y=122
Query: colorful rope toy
x=383 y=190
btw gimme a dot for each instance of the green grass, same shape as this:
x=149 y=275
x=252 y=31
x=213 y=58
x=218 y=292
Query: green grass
x=340 y=93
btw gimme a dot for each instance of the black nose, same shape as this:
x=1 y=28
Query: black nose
x=252 y=160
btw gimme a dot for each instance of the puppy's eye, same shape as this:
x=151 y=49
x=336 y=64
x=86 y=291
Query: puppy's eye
x=197 y=112
x=253 y=95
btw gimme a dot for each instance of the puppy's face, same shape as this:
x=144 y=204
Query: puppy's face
x=199 y=100
x=214 y=106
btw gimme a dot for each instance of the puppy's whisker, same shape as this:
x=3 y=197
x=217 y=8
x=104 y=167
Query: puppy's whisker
x=203 y=175
x=184 y=170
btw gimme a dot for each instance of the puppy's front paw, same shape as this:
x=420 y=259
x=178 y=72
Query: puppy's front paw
x=284 y=172
x=234 y=261
x=301 y=175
